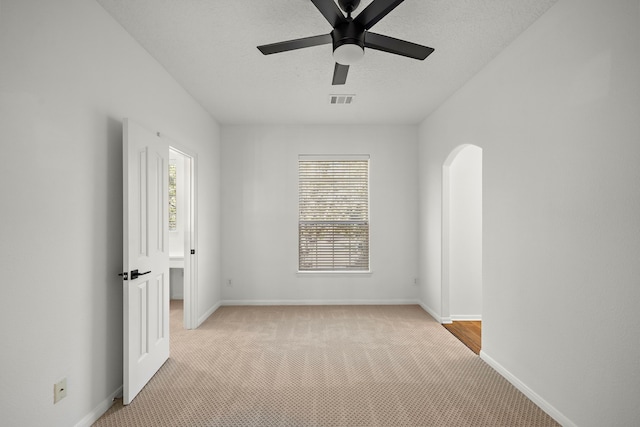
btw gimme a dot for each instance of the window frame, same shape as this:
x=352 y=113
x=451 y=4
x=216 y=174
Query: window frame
x=173 y=164
x=336 y=157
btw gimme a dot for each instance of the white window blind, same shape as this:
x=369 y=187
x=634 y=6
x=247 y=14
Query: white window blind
x=333 y=225
x=173 y=201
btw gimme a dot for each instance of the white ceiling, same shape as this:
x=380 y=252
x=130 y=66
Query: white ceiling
x=209 y=46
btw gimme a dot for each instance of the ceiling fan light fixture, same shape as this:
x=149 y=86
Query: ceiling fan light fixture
x=348 y=53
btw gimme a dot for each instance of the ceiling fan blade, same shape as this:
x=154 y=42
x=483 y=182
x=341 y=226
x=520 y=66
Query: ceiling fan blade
x=330 y=11
x=340 y=74
x=268 y=49
x=376 y=10
x=397 y=46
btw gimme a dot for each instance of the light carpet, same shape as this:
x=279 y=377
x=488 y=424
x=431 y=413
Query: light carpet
x=323 y=366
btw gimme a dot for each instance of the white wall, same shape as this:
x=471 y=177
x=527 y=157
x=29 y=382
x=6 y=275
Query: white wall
x=557 y=115
x=176 y=283
x=260 y=208
x=465 y=234
x=69 y=74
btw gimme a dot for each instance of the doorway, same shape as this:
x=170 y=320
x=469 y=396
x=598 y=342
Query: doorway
x=462 y=235
x=182 y=234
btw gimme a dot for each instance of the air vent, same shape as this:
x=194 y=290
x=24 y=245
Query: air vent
x=342 y=99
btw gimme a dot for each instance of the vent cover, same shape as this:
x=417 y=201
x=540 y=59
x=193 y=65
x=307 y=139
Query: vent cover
x=342 y=99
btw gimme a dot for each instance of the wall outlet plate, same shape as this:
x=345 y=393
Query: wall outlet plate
x=60 y=390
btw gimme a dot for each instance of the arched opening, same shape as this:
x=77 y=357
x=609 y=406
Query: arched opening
x=462 y=235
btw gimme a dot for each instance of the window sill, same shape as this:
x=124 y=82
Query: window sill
x=333 y=273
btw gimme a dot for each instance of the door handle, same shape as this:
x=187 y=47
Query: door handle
x=135 y=274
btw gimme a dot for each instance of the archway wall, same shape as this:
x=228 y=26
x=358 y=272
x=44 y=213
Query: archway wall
x=462 y=234
x=431 y=223
x=437 y=161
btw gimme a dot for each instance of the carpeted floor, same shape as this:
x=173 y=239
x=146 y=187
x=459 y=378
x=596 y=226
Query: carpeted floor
x=323 y=366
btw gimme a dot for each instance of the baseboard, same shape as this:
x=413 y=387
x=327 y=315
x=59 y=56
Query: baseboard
x=99 y=410
x=432 y=313
x=212 y=310
x=322 y=302
x=208 y=313
x=466 y=317
x=532 y=395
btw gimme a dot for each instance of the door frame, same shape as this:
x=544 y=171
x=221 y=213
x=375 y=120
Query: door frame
x=190 y=295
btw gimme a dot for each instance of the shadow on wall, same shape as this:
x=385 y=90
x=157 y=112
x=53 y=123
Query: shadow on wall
x=107 y=310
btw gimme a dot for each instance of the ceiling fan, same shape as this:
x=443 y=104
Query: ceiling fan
x=351 y=35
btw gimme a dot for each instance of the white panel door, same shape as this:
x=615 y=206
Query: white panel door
x=146 y=256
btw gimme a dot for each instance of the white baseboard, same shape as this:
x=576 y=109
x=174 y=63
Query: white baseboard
x=99 y=410
x=212 y=310
x=208 y=313
x=532 y=395
x=322 y=302
x=432 y=313
x=467 y=317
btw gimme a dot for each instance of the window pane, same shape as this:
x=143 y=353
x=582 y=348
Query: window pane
x=333 y=215
x=173 y=210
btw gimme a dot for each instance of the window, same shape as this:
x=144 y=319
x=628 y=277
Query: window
x=333 y=222
x=173 y=201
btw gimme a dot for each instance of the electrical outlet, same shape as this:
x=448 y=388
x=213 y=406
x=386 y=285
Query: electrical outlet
x=59 y=390
x=229 y=283
x=415 y=281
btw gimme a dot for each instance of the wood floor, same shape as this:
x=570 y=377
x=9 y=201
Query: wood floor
x=469 y=332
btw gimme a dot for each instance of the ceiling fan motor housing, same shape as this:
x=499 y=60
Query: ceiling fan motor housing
x=348 y=33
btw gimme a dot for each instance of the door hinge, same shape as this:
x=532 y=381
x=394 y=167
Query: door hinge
x=193 y=251
x=125 y=275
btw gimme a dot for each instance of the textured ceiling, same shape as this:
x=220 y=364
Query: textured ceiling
x=209 y=46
